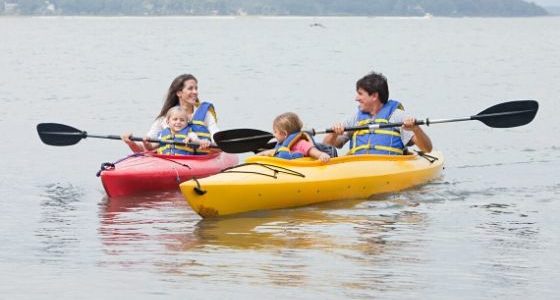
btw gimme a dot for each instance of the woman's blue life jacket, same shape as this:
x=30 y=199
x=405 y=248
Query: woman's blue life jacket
x=380 y=141
x=196 y=125
x=282 y=150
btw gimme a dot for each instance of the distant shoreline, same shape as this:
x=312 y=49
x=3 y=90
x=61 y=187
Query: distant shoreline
x=553 y=10
x=279 y=16
x=312 y=8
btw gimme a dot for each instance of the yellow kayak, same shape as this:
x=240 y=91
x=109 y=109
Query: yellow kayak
x=270 y=183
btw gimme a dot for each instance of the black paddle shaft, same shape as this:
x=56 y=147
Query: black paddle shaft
x=55 y=134
x=503 y=115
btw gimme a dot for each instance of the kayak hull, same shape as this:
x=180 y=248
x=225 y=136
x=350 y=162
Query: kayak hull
x=271 y=183
x=151 y=173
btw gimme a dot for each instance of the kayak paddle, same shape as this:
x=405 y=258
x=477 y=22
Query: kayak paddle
x=244 y=138
x=63 y=135
x=503 y=115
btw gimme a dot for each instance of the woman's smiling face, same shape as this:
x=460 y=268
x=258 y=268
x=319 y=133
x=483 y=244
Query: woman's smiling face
x=189 y=93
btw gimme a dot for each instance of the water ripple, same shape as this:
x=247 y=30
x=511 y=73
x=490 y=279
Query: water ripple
x=57 y=225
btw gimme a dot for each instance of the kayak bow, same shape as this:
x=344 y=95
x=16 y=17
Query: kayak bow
x=151 y=172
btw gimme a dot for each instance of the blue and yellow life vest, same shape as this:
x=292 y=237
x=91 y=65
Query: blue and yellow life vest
x=282 y=150
x=173 y=149
x=196 y=125
x=380 y=141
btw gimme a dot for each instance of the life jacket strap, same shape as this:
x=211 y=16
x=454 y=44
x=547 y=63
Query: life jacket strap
x=389 y=149
x=376 y=147
x=387 y=132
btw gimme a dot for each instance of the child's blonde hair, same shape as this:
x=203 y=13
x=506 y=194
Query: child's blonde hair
x=288 y=122
x=175 y=109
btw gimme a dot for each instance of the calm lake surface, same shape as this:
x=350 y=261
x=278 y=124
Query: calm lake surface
x=488 y=228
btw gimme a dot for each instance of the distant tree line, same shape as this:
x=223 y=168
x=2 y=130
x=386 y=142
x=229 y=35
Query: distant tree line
x=454 y=8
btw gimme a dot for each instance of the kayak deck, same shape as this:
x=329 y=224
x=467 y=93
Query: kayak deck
x=151 y=172
x=271 y=183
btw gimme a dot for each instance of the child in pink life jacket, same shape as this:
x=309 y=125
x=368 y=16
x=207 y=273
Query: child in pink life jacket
x=292 y=142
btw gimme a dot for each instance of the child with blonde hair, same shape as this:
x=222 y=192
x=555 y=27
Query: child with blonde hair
x=179 y=131
x=292 y=142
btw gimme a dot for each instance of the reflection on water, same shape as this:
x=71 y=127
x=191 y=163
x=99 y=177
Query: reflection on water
x=58 y=220
x=282 y=247
x=132 y=224
x=382 y=245
x=307 y=227
x=385 y=244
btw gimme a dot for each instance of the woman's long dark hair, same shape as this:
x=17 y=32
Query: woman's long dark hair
x=171 y=99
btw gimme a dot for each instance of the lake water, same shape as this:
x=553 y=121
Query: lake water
x=488 y=228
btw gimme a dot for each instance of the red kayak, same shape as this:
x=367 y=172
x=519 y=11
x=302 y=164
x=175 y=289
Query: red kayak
x=148 y=172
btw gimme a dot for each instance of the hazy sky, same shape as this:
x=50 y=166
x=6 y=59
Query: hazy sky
x=546 y=2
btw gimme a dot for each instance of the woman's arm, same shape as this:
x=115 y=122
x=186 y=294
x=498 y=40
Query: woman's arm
x=211 y=124
x=157 y=126
x=135 y=147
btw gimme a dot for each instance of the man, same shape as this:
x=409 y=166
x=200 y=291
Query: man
x=374 y=106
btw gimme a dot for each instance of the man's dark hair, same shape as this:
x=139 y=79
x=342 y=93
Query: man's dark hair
x=375 y=83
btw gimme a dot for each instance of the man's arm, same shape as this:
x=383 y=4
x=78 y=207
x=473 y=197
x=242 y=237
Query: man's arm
x=420 y=138
x=334 y=139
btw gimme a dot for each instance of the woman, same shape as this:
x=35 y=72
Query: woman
x=182 y=92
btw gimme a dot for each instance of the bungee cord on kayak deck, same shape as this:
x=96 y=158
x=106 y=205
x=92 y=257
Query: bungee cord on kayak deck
x=106 y=166
x=111 y=165
x=275 y=169
x=171 y=160
x=198 y=188
x=428 y=157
